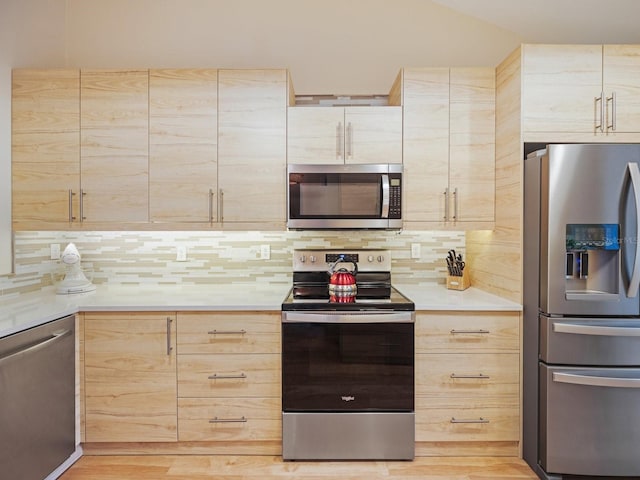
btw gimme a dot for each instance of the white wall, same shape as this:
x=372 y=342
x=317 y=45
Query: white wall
x=330 y=46
x=31 y=34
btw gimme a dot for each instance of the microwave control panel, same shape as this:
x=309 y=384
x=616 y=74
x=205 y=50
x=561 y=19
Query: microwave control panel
x=395 y=197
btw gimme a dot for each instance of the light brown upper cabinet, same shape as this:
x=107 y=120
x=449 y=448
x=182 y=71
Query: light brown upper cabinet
x=580 y=92
x=252 y=150
x=448 y=147
x=45 y=124
x=114 y=145
x=336 y=135
x=183 y=141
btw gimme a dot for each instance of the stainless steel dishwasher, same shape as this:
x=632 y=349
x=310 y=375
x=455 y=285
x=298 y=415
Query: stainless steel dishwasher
x=37 y=400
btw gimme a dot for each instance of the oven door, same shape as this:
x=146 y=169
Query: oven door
x=348 y=362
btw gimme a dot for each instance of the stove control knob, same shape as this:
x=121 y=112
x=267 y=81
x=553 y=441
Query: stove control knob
x=380 y=259
x=370 y=258
x=303 y=258
x=312 y=258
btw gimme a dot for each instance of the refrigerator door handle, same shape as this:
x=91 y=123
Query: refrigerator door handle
x=594 y=381
x=579 y=329
x=634 y=172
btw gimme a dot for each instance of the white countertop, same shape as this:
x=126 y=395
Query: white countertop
x=436 y=297
x=29 y=310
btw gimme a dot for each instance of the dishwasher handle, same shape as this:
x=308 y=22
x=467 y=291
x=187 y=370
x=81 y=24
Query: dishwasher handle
x=39 y=345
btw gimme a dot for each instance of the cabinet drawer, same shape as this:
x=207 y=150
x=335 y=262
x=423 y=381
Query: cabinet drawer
x=473 y=424
x=481 y=375
x=229 y=419
x=468 y=332
x=228 y=332
x=236 y=375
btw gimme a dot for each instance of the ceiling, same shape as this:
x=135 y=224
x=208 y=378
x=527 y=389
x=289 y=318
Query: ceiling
x=558 y=21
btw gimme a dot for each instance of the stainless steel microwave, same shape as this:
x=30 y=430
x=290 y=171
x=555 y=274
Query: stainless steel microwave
x=344 y=196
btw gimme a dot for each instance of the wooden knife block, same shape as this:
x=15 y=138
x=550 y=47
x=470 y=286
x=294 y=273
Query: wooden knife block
x=459 y=283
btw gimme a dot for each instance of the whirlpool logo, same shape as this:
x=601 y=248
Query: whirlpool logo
x=348 y=398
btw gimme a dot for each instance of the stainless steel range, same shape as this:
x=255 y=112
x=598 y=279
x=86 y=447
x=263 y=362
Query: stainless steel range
x=347 y=361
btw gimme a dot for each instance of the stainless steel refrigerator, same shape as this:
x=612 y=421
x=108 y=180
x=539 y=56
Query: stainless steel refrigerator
x=581 y=332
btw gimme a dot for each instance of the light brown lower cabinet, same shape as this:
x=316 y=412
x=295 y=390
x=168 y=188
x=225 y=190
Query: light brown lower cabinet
x=210 y=383
x=130 y=377
x=467 y=383
x=229 y=381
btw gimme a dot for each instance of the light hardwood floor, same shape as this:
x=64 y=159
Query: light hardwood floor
x=194 y=467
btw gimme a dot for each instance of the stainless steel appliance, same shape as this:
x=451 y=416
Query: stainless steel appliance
x=344 y=196
x=347 y=366
x=37 y=400
x=581 y=351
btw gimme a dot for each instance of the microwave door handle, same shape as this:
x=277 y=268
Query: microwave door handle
x=634 y=172
x=385 y=196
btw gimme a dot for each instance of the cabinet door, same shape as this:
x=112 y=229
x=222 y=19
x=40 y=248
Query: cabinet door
x=252 y=133
x=373 y=135
x=426 y=143
x=114 y=145
x=472 y=144
x=315 y=135
x=560 y=84
x=45 y=123
x=130 y=377
x=621 y=70
x=183 y=139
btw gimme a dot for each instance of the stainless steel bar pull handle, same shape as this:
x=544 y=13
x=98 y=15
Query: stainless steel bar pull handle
x=455 y=204
x=71 y=216
x=220 y=205
x=469 y=420
x=211 y=205
x=228 y=420
x=479 y=376
x=349 y=141
x=634 y=283
x=611 y=99
x=469 y=332
x=446 y=204
x=82 y=194
x=595 y=381
x=227 y=332
x=339 y=141
x=599 y=123
x=169 y=347
x=216 y=376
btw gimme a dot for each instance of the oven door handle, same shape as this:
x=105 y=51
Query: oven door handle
x=611 y=331
x=595 y=381
x=350 y=317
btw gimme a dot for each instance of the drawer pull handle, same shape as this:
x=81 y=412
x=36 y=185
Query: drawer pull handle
x=228 y=420
x=469 y=420
x=480 y=375
x=470 y=332
x=227 y=332
x=215 y=376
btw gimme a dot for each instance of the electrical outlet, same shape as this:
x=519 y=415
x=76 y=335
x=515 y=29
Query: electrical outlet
x=54 y=251
x=181 y=253
x=415 y=250
x=265 y=252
